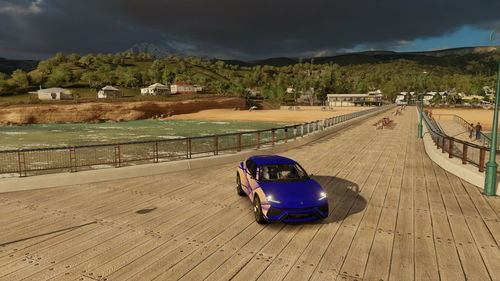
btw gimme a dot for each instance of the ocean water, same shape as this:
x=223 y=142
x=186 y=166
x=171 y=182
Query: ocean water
x=69 y=134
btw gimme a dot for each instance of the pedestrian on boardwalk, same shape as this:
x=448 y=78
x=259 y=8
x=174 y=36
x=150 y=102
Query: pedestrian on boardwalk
x=471 y=130
x=478 y=131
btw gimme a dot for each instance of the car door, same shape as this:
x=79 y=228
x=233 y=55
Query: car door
x=252 y=178
x=245 y=176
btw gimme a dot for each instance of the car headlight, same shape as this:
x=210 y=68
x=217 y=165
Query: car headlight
x=322 y=196
x=271 y=199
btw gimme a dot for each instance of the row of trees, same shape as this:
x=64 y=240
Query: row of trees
x=133 y=71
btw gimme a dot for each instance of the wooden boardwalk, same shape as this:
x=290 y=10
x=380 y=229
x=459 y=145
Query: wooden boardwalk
x=395 y=216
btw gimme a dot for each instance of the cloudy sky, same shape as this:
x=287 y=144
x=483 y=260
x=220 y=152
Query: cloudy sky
x=243 y=29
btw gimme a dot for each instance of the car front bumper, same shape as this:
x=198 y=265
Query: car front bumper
x=297 y=215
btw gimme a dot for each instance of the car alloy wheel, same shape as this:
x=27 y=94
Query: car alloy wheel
x=257 y=210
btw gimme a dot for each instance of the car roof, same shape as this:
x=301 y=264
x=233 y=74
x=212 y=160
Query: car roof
x=270 y=159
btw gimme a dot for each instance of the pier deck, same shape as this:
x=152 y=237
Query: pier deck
x=395 y=215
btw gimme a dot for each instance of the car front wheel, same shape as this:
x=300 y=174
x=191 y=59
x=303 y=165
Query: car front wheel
x=257 y=210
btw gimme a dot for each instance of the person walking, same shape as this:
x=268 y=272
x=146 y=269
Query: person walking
x=478 y=131
x=471 y=130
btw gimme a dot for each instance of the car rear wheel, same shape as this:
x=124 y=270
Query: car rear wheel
x=239 y=190
x=257 y=210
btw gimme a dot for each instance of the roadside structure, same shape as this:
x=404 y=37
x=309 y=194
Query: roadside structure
x=308 y=96
x=109 y=92
x=335 y=100
x=53 y=94
x=252 y=92
x=155 y=89
x=184 y=87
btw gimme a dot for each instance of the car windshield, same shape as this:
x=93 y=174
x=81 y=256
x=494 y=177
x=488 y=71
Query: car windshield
x=282 y=173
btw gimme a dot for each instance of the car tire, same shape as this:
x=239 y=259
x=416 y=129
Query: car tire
x=257 y=210
x=239 y=190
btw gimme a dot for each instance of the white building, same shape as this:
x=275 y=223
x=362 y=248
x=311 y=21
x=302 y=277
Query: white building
x=198 y=88
x=335 y=100
x=401 y=98
x=182 y=87
x=109 y=92
x=53 y=94
x=155 y=89
x=252 y=92
x=290 y=89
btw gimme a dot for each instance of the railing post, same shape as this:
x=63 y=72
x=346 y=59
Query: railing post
x=482 y=154
x=286 y=135
x=156 y=158
x=216 y=145
x=450 y=148
x=238 y=142
x=72 y=159
x=258 y=139
x=21 y=159
x=443 y=146
x=117 y=156
x=295 y=132
x=273 y=136
x=188 y=148
x=464 y=154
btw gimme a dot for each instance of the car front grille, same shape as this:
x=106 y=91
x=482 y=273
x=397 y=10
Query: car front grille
x=301 y=215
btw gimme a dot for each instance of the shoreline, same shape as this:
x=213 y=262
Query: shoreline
x=271 y=115
x=106 y=112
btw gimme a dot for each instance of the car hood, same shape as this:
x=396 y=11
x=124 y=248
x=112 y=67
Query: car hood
x=293 y=193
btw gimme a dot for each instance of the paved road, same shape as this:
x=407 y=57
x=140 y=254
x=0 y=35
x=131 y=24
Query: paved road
x=395 y=216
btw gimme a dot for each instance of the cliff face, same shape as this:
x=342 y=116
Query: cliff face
x=102 y=112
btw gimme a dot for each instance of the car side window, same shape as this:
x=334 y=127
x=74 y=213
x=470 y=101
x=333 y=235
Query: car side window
x=252 y=168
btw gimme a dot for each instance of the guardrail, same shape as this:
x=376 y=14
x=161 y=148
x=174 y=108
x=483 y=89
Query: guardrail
x=25 y=162
x=484 y=138
x=469 y=153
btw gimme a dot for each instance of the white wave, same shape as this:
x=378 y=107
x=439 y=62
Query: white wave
x=170 y=137
x=15 y=133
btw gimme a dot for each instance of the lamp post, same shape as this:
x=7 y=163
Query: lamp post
x=490 y=179
x=421 y=105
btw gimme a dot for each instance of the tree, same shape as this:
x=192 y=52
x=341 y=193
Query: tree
x=168 y=76
x=59 y=76
x=20 y=79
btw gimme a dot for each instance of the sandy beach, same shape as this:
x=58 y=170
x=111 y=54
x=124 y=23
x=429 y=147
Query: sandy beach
x=285 y=116
x=483 y=116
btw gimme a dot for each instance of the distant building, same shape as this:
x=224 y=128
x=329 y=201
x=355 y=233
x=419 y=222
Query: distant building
x=155 y=89
x=53 y=94
x=335 y=100
x=252 y=92
x=109 y=92
x=184 y=87
x=198 y=88
x=401 y=98
x=308 y=96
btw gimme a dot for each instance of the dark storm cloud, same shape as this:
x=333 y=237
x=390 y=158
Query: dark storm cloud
x=234 y=28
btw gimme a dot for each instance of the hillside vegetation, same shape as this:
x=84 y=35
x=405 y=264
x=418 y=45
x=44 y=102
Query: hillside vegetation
x=351 y=73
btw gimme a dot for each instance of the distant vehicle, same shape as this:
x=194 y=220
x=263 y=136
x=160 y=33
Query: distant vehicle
x=253 y=108
x=280 y=190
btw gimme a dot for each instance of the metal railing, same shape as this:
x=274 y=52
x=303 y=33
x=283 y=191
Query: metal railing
x=484 y=138
x=469 y=153
x=26 y=162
